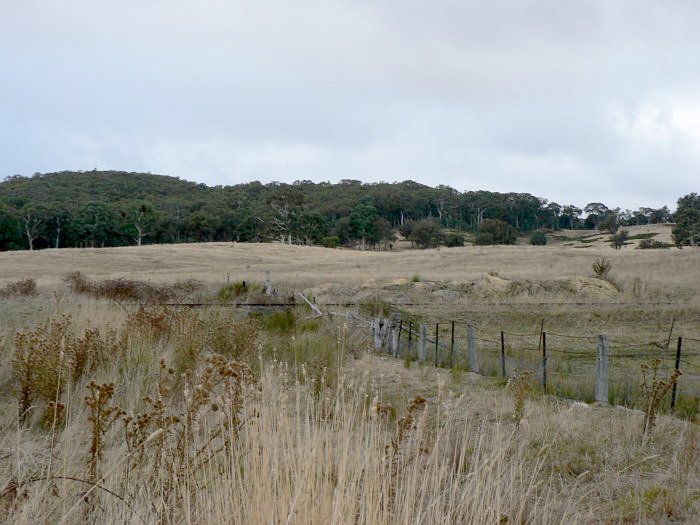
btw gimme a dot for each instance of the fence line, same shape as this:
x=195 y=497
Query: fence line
x=450 y=345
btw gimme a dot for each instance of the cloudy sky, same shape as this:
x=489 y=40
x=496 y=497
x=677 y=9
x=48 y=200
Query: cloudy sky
x=571 y=100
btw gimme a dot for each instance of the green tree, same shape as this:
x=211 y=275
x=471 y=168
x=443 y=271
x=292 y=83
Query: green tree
x=362 y=222
x=686 y=232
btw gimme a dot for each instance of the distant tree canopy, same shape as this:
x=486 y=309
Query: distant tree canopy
x=114 y=208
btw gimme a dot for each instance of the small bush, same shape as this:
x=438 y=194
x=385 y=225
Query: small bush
x=538 y=238
x=331 y=241
x=651 y=244
x=454 y=239
x=484 y=239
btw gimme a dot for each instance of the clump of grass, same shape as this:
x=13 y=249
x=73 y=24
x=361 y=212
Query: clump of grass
x=127 y=289
x=23 y=288
x=217 y=334
x=154 y=322
x=654 y=389
x=601 y=268
x=415 y=278
x=375 y=306
x=232 y=291
x=283 y=321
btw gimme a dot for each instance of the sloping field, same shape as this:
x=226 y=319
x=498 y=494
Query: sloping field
x=662 y=273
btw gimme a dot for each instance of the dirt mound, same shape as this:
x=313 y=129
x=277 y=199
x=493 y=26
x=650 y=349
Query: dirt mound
x=588 y=287
x=493 y=285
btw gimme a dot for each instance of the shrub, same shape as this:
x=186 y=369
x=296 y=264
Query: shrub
x=330 y=241
x=484 y=239
x=427 y=233
x=454 y=239
x=538 y=238
x=501 y=232
x=651 y=244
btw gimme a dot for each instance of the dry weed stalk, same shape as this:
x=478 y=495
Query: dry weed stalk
x=187 y=424
x=519 y=386
x=37 y=363
x=406 y=424
x=101 y=416
x=46 y=358
x=654 y=389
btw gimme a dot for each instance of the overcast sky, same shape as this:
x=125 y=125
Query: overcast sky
x=574 y=101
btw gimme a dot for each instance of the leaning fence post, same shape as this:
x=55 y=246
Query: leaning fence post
x=601 y=371
x=421 y=342
x=471 y=350
x=544 y=362
x=678 y=364
x=410 y=349
x=503 y=354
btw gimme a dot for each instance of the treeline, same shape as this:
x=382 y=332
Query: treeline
x=111 y=208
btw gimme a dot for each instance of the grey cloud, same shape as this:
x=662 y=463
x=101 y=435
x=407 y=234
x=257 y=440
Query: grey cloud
x=573 y=101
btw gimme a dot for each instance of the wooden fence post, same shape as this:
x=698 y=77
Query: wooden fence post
x=452 y=347
x=268 y=283
x=410 y=348
x=421 y=342
x=678 y=364
x=437 y=342
x=601 y=371
x=471 y=350
x=503 y=354
x=377 y=334
x=394 y=340
x=543 y=340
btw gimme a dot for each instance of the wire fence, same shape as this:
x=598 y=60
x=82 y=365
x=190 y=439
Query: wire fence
x=583 y=367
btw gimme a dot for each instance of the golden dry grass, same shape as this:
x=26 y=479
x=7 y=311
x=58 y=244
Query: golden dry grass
x=301 y=267
x=320 y=440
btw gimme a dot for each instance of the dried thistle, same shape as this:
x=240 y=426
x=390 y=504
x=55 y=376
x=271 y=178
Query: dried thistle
x=101 y=415
x=519 y=386
x=654 y=389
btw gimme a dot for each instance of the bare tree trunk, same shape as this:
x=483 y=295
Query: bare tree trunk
x=139 y=234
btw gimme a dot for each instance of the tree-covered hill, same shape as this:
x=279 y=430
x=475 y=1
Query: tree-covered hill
x=113 y=208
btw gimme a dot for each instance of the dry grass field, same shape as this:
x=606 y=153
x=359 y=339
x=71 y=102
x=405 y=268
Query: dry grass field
x=112 y=413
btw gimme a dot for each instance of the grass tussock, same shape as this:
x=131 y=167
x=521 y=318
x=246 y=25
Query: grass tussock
x=22 y=288
x=132 y=290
